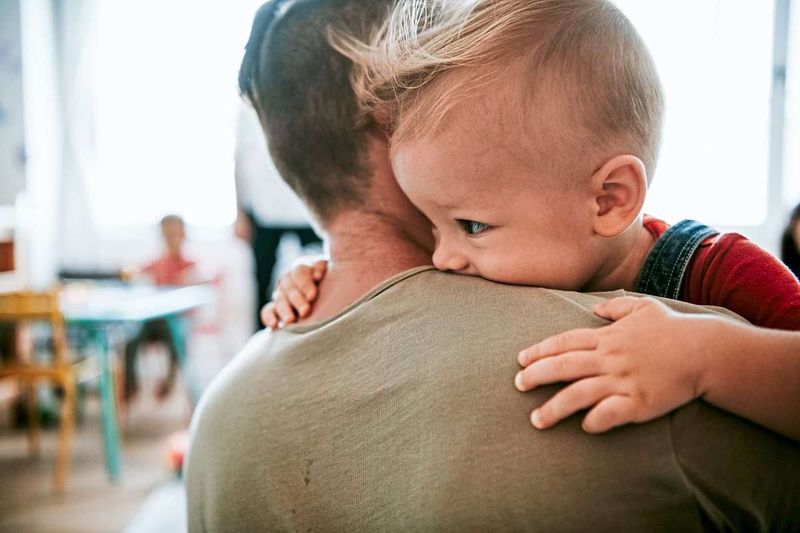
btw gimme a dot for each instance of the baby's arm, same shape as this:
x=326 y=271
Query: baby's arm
x=652 y=360
x=294 y=294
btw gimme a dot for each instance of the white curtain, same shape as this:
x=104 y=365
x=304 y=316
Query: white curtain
x=75 y=23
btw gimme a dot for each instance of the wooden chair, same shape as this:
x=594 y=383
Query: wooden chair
x=25 y=307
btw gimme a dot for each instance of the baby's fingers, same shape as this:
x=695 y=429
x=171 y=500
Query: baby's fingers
x=320 y=268
x=570 y=341
x=283 y=307
x=298 y=302
x=579 y=395
x=301 y=279
x=611 y=412
x=269 y=317
x=565 y=367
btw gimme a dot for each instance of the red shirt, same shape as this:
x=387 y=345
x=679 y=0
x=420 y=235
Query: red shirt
x=730 y=271
x=169 y=270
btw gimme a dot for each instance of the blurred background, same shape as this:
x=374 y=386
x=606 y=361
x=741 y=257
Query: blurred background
x=114 y=115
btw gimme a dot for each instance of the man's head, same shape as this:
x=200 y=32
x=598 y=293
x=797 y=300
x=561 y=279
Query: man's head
x=538 y=118
x=300 y=87
x=174 y=233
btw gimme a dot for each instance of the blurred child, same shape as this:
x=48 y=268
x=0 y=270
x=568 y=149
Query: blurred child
x=528 y=133
x=171 y=268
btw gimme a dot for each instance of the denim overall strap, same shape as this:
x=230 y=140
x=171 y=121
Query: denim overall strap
x=666 y=263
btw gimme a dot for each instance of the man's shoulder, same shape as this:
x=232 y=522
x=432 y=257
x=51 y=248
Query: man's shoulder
x=484 y=296
x=229 y=386
x=242 y=362
x=417 y=306
x=436 y=303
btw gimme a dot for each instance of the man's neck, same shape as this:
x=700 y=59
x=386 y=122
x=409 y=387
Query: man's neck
x=365 y=250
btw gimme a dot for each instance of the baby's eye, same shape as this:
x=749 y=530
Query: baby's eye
x=472 y=227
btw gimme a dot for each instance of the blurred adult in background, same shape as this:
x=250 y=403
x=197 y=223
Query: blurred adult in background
x=268 y=208
x=790 y=243
x=172 y=268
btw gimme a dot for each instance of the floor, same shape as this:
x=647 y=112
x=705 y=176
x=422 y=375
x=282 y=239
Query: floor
x=92 y=503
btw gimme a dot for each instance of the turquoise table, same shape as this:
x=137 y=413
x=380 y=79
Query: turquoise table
x=97 y=308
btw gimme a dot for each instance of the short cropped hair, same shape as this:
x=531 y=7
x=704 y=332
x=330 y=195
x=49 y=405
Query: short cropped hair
x=588 y=48
x=300 y=88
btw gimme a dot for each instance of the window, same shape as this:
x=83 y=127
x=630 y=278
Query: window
x=791 y=169
x=715 y=62
x=165 y=107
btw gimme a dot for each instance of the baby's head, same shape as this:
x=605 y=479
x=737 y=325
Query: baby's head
x=526 y=130
x=173 y=232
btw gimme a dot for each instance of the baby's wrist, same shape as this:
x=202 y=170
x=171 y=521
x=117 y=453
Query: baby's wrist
x=712 y=339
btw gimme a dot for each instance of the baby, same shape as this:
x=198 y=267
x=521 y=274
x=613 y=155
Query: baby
x=527 y=131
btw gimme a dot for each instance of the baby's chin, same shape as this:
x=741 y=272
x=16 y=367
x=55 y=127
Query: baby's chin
x=507 y=278
x=511 y=278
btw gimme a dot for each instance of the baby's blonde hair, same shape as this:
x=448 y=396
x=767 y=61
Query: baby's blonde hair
x=588 y=48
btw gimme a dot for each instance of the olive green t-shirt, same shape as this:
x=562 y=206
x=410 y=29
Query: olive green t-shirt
x=400 y=414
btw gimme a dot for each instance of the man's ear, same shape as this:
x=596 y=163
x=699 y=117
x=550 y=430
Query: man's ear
x=618 y=190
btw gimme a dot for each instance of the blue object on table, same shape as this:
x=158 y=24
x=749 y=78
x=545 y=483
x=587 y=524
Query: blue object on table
x=98 y=307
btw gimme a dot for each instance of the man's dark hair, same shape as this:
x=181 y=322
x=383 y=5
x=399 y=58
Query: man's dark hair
x=300 y=88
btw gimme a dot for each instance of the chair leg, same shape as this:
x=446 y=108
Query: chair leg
x=66 y=433
x=33 y=418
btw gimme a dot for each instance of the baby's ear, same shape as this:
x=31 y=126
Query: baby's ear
x=619 y=189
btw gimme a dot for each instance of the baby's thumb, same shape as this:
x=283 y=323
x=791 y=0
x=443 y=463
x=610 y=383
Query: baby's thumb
x=618 y=308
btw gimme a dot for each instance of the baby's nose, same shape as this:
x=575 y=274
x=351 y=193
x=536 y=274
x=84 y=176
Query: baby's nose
x=449 y=260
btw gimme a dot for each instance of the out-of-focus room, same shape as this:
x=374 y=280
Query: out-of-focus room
x=142 y=224
x=125 y=288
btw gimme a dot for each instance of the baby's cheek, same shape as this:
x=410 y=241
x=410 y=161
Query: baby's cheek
x=538 y=273
x=510 y=269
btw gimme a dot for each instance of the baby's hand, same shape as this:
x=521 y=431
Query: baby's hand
x=647 y=363
x=293 y=296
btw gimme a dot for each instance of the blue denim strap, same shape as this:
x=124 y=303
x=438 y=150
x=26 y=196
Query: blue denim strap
x=665 y=267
